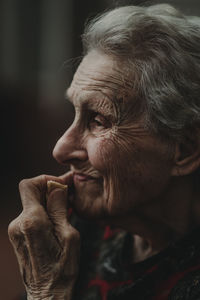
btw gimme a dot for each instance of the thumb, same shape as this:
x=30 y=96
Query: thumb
x=57 y=206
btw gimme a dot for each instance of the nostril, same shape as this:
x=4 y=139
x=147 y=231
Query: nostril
x=58 y=158
x=75 y=155
x=64 y=157
x=70 y=162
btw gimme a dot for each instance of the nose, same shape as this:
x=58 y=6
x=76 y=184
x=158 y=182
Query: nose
x=69 y=147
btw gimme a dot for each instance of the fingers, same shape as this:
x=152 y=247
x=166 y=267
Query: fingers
x=32 y=191
x=32 y=230
x=17 y=239
x=57 y=206
x=33 y=197
x=33 y=240
x=46 y=245
x=67 y=178
x=70 y=250
x=41 y=212
x=57 y=211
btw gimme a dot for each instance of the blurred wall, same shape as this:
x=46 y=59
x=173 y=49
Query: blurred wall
x=39 y=40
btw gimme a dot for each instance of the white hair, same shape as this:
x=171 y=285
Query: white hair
x=161 y=48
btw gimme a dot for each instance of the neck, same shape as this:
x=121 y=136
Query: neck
x=166 y=218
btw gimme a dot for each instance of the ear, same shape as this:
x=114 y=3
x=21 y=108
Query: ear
x=187 y=154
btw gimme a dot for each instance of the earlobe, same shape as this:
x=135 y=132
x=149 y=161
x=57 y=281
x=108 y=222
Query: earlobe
x=186 y=156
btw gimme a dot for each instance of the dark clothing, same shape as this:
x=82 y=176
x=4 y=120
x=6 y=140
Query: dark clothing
x=107 y=273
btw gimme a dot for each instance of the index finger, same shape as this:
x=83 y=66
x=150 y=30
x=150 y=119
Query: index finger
x=33 y=190
x=67 y=178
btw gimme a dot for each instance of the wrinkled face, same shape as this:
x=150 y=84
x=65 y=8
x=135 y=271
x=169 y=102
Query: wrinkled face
x=118 y=165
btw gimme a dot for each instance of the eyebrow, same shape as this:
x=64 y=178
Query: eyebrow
x=112 y=101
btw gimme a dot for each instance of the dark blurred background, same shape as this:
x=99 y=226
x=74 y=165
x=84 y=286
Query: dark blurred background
x=40 y=48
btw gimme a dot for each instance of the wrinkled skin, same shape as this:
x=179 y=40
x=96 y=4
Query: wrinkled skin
x=46 y=245
x=106 y=140
x=129 y=172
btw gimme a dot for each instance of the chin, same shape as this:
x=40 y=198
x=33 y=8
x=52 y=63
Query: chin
x=87 y=210
x=87 y=200
x=97 y=200
x=94 y=209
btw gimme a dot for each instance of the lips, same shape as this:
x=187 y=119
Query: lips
x=82 y=177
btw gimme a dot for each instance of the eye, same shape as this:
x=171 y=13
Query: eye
x=98 y=121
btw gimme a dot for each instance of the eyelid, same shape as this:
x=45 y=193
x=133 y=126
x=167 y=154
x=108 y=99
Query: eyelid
x=99 y=117
x=102 y=119
x=96 y=114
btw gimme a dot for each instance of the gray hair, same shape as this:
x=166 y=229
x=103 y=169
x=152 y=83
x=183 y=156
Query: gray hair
x=162 y=48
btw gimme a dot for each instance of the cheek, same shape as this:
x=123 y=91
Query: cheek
x=100 y=153
x=132 y=174
x=104 y=156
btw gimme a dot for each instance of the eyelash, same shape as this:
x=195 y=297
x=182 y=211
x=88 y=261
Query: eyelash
x=93 y=119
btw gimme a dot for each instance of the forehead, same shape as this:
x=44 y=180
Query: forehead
x=99 y=75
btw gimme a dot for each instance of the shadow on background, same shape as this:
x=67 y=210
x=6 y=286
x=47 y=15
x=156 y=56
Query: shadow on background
x=39 y=40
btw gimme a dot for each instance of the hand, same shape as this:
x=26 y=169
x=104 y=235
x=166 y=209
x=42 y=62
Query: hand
x=46 y=245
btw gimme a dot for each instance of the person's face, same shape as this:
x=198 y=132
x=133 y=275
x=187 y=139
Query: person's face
x=118 y=165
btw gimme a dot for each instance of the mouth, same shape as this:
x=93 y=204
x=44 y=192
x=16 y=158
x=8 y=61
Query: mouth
x=81 y=177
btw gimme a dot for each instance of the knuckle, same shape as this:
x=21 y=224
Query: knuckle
x=25 y=183
x=72 y=236
x=33 y=221
x=30 y=225
x=14 y=230
x=43 y=178
x=22 y=183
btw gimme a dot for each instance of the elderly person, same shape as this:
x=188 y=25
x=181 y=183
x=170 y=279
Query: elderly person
x=134 y=153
